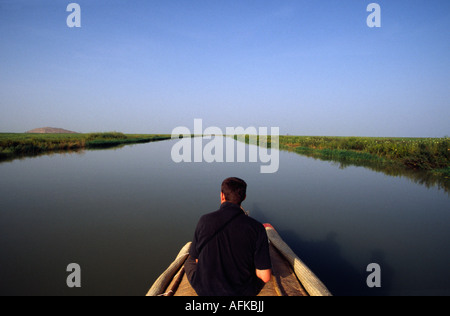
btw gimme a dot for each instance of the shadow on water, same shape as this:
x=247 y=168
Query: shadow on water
x=325 y=259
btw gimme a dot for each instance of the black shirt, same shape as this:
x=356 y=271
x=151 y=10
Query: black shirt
x=228 y=262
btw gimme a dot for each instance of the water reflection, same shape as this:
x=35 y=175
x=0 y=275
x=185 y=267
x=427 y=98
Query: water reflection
x=123 y=215
x=426 y=178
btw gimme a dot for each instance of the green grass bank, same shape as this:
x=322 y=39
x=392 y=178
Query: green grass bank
x=431 y=154
x=22 y=145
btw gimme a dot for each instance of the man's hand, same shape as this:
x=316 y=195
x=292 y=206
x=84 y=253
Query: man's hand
x=264 y=275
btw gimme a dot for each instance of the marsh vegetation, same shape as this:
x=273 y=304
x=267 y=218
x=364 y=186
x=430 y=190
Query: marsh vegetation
x=424 y=160
x=413 y=153
x=24 y=145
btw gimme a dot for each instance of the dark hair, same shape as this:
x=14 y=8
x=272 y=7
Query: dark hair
x=235 y=190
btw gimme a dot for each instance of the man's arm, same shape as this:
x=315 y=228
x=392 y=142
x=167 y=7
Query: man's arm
x=264 y=275
x=194 y=247
x=262 y=257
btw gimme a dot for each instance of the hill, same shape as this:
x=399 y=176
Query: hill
x=50 y=130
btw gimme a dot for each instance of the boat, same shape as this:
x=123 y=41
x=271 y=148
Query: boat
x=291 y=277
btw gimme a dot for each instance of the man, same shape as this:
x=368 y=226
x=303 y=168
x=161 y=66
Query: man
x=230 y=252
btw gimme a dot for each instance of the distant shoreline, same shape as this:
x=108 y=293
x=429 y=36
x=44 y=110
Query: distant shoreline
x=414 y=154
x=15 y=145
x=431 y=154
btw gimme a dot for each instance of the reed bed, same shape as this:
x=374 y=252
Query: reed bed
x=20 y=145
x=414 y=153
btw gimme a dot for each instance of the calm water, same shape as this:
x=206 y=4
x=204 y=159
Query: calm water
x=124 y=214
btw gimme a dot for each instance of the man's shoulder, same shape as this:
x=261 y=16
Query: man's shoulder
x=255 y=224
x=210 y=216
x=219 y=214
x=209 y=221
x=222 y=215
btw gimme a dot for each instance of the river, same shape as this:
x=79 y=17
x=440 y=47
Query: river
x=124 y=214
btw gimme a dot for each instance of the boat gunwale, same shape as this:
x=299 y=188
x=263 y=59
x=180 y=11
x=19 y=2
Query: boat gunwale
x=307 y=279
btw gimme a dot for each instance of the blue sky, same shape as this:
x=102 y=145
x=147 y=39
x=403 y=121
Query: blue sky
x=308 y=67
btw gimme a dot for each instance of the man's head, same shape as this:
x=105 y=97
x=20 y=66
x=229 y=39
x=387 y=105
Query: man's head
x=234 y=190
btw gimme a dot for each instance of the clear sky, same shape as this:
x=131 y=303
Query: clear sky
x=148 y=66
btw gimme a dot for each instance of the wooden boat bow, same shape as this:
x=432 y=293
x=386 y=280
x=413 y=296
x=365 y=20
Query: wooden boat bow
x=291 y=276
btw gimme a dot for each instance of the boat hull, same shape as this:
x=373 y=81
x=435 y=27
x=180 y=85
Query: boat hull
x=291 y=277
